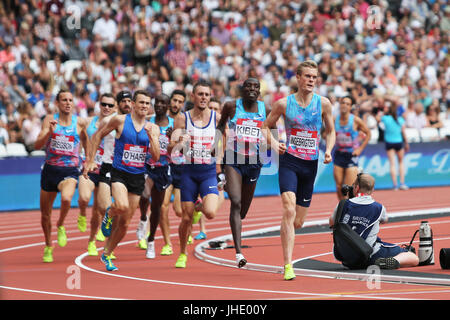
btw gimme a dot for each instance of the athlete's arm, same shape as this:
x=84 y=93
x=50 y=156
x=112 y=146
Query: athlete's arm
x=178 y=136
x=330 y=133
x=48 y=126
x=361 y=126
x=153 y=134
x=115 y=123
x=84 y=138
x=278 y=110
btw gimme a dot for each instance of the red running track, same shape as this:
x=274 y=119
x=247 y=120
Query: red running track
x=23 y=275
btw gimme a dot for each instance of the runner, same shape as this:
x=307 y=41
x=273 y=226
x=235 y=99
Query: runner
x=61 y=133
x=134 y=135
x=194 y=131
x=245 y=117
x=303 y=113
x=124 y=100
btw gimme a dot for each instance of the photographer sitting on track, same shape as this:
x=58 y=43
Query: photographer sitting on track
x=364 y=215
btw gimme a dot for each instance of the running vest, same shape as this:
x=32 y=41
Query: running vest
x=108 y=145
x=303 y=128
x=164 y=157
x=346 y=136
x=202 y=140
x=244 y=134
x=63 y=145
x=130 y=149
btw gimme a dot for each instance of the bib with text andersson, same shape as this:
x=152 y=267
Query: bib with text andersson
x=62 y=145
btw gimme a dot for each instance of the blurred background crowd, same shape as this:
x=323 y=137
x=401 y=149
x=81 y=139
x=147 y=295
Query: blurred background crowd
x=379 y=52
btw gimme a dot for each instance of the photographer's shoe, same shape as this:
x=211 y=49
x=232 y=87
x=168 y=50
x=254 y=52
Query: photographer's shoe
x=387 y=263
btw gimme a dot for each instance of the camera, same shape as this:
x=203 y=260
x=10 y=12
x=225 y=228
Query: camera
x=347 y=190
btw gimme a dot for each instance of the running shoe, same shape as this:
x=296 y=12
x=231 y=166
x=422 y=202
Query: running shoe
x=142 y=227
x=82 y=223
x=150 y=254
x=190 y=240
x=62 y=238
x=142 y=244
x=196 y=217
x=403 y=187
x=181 y=261
x=200 y=236
x=107 y=224
x=387 y=263
x=166 y=250
x=92 y=249
x=109 y=265
x=289 y=272
x=48 y=254
x=100 y=236
x=240 y=260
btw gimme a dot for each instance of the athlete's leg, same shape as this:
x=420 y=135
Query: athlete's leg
x=393 y=171
x=103 y=202
x=184 y=229
x=85 y=188
x=234 y=190
x=164 y=218
x=155 y=211
x=46 y=205
x=401 y=166
x=67 y=188
x=338 y=173
x=287 y=229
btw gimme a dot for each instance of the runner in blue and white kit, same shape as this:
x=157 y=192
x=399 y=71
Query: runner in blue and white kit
x=303 y=114
x=195 y=132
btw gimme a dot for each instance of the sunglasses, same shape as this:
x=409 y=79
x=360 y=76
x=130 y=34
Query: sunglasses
x=104 y=104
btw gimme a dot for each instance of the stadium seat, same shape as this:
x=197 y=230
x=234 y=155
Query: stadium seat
x=444 y=133
x=374 y=135
x=412 y=135
x=37 y=153
x=429 y=134
x=3 y=151
x=16 y=150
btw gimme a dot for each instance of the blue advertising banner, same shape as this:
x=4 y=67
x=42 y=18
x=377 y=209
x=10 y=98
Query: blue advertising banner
x=426 y=165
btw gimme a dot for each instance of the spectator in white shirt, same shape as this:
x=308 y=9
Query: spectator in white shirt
x=106 y=28
x=417 y=119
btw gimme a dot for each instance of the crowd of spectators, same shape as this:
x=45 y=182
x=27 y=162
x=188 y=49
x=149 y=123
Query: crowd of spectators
x=379 y=52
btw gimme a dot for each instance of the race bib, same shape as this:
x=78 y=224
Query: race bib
x=163 y=144
x=134 y=156
x=200 y=151
x=62 y=145
x=344 y=139
x=303 y=143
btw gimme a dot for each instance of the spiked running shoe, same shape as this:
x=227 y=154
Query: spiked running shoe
x=100 y=236
x=142 y=244
x=181 y=261
x=387 y=263
x=48 y=254
x=108 y=263
x=82 y=223
x=196 y=217
x=107 y=224
x=240 y=260
x=200 y=236
x=62 y=238
x=150 y=254
x=92 y=249
x=190 y=240
x=166 y=250
x=289 y=272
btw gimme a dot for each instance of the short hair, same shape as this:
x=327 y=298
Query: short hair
x=366 y=182
x=61 y=92
x=138 y=92
x=214 y=99
x=348 y=97
x=179 y=92
x=306 y=64
x=201 y=83
x=108 y=95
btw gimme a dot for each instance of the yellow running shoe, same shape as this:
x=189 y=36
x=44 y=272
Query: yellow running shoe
x=112 y=256
x=190 y=240
x=142 y=244
x=92 y=249
x=181 y=261
x=289 y=272
x=82 y=223
x=48 y=254
x=166 y=250
x=196 y=217
x=100 y=236
x=62 y=238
